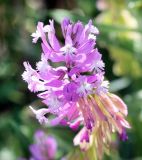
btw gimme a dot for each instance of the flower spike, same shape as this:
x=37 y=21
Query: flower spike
x=75 y=91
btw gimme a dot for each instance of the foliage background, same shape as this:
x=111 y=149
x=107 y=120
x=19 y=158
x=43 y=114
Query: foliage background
x=120 y=42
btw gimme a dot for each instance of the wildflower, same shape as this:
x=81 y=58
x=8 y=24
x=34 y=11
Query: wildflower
x=43 y=148
x=76 y=92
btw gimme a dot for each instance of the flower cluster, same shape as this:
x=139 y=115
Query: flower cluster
x=69 y=79
x=44 y=148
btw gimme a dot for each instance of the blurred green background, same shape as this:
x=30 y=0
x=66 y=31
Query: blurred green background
x=120 y=42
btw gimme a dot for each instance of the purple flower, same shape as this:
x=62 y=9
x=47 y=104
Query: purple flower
x=75 y=91
x=44 y=148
